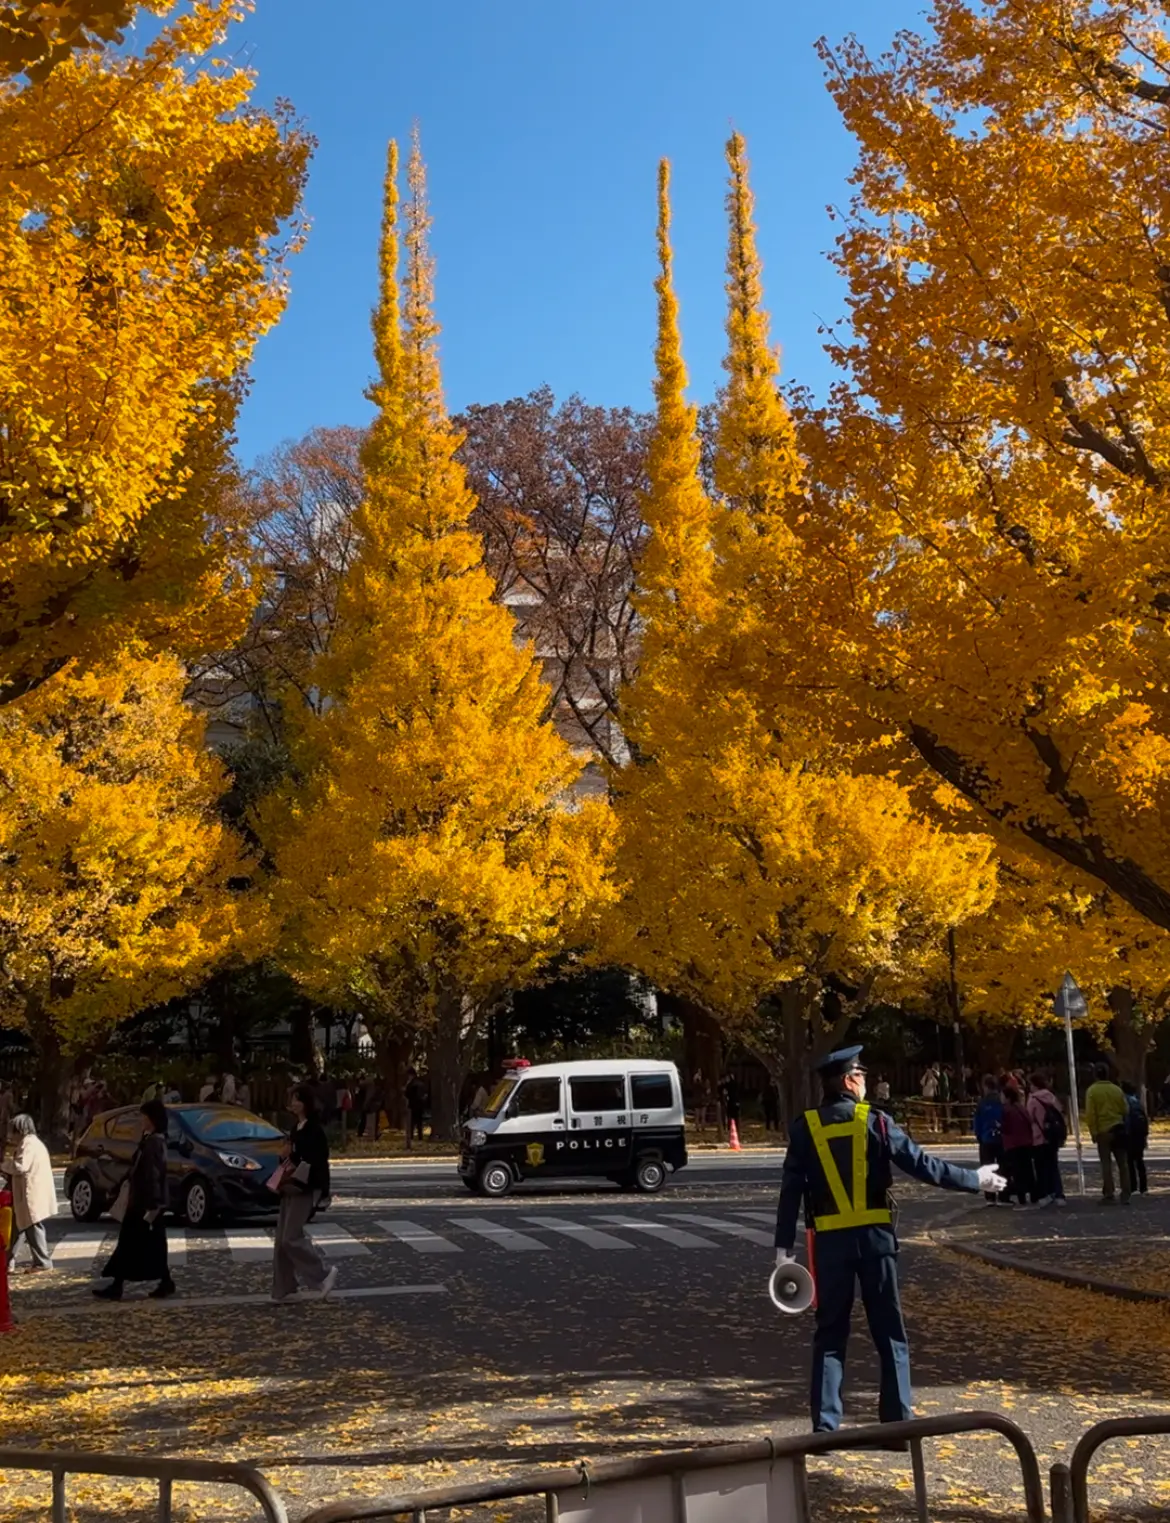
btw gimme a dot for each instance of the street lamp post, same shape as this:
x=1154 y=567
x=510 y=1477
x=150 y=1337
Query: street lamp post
x=1070 y=1003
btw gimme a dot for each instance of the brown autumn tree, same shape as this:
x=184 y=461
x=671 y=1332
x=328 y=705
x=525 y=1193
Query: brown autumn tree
x=559 y=491
x=298 y=506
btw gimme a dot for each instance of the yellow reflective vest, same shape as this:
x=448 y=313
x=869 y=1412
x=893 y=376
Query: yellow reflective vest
x=851 y=1210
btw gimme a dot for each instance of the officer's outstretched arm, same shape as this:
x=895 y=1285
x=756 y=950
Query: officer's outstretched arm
x=910 y=1158
x=792 y=1188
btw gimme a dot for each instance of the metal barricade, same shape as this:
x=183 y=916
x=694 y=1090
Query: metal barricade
x=677 y=1465
x=60 y=1463
x=1070 y=1483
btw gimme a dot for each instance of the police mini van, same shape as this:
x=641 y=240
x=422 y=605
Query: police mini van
x=620 y=1119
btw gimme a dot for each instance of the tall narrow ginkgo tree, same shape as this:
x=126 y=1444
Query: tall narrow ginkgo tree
x=751 y=868
x=426 y=859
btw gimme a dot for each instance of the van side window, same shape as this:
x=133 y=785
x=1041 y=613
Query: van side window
x=651 y=1092
x=598 y=1094
x=538 y=1097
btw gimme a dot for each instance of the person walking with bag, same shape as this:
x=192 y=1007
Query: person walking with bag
x=141 y=1251
x=34 y=1196
x=302 y=1185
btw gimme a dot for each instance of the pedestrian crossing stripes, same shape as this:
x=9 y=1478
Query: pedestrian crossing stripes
x=421 y=1239
x=579 y=1233
x=731 y=1229
x=673 y=1235
x=506 y=1237
x=82 y=1248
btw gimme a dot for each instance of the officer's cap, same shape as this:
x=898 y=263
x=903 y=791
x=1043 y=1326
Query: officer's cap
x=837 y=1064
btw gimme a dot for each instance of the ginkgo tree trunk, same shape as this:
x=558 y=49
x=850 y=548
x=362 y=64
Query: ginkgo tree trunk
x=752 y=866
x=426 y=856
x=120 y=886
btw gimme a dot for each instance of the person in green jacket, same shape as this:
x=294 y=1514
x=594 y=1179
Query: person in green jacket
x=1105 y=1113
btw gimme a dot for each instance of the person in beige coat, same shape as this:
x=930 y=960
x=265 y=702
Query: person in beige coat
x=34 y=1196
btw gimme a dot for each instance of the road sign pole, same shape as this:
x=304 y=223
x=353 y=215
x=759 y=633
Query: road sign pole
x=1074 y=1108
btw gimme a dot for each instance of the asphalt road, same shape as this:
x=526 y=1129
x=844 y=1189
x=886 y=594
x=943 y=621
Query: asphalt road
x=576 y=1321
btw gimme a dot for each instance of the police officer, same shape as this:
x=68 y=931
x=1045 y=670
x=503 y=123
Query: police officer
x=839 y=1166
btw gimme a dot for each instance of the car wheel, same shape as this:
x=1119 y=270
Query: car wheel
x=197 y=1210
x=83 y=1200
x=650 y=1176
x=495 y=1179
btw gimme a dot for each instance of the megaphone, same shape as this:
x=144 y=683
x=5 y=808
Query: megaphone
x=792 y=1288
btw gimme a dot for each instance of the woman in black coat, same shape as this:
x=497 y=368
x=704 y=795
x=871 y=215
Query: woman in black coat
x=296 y=1260
x=141 y=1253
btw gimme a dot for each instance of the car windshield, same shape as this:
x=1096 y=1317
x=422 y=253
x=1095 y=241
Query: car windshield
x=229 y=1126
x=499 y=1096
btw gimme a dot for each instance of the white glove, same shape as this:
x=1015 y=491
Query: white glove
x=784 y=1257
x=991 y=1179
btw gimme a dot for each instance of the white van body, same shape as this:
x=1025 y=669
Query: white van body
x=613 y=1118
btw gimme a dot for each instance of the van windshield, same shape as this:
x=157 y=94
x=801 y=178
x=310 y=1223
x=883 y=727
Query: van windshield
x=499 y=1096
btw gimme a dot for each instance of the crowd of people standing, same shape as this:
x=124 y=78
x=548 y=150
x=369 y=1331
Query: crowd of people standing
x=1022 y=1126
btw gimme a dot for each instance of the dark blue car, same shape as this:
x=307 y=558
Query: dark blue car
x=219 y=1159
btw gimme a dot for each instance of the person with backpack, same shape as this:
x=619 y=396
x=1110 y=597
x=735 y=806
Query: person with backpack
x=1049 y=1134
x=1137 y=1134
x=989 y=1128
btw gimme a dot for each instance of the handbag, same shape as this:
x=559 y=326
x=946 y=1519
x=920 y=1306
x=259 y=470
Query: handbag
x=121 y=1202
x=278 y=1175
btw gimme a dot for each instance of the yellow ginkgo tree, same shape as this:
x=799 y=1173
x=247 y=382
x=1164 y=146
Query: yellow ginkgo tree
x=426 y=857
x=980 y=571
x=119 y=884
x=143 y=198
x=753 y=867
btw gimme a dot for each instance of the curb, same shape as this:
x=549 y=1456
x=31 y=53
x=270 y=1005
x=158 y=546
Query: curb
x=711 y=1150
x=1067 y=1277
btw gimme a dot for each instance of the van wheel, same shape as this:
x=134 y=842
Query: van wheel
x=495 y=1179
x=650 y=1176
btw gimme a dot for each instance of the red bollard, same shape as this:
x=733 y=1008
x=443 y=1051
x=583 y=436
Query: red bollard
x=7 y=1325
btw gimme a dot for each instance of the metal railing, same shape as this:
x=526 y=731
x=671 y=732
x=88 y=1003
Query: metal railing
x=677 y=1463
x=1070 y=1483
x=60 y=1463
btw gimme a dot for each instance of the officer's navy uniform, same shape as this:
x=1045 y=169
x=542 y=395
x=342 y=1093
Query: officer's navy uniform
x=839 y=1166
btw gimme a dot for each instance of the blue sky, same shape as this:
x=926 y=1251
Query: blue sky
x=542 y=122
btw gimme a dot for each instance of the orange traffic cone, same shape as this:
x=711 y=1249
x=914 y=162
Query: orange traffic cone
x=7 y=1325
x=732 y=1137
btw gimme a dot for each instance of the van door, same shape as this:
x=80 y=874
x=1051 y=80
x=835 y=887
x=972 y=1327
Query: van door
x=599 y=1125
x=656 y=1112
x=534 y=1121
